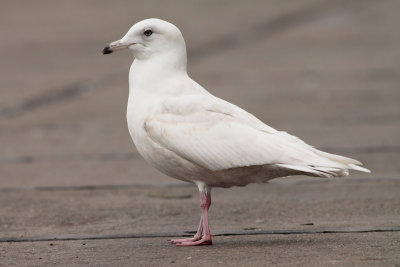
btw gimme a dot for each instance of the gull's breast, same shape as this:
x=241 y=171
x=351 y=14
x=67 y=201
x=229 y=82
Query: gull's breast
x=156 y=155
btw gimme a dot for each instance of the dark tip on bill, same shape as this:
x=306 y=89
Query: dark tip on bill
x=107 y=50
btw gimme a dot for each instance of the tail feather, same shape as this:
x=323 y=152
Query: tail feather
x=358 y=168
x=348 y=163
x=321 y=164
x=337 y=158
x=326 y=172
x=323 y=171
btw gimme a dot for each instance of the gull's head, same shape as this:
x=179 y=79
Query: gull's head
x=151 y=38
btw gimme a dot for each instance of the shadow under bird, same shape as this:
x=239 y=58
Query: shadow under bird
x=189 y=134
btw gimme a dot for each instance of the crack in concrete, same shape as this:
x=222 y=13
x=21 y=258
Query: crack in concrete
x=177 y=185
x=47 y=98
x=273 y=26
x=66 y=157
x=96 y=187
x=355 y=229
x=55 y=95
x=261 y=31
x=28 y=159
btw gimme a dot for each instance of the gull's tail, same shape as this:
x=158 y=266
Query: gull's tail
x=340 y=166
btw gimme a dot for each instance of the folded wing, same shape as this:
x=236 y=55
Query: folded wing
x=218 y=136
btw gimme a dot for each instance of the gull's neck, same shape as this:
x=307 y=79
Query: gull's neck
x=151 y=74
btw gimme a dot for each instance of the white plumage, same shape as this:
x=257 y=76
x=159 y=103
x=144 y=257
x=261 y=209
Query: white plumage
x=189 y=134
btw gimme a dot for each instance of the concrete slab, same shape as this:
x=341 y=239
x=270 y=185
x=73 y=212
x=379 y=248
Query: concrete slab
x=370 y=249
x=147 y=209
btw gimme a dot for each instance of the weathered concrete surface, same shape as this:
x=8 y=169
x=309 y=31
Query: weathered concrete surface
x=371 y=249
x=326 y=71
x=173 y=209
x=300 y=206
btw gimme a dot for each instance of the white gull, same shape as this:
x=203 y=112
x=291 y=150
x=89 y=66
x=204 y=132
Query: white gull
x=189 y=134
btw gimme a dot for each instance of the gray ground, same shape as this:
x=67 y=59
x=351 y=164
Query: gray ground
x=326 y=71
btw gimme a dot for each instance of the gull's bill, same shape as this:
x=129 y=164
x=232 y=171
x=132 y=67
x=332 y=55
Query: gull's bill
x=115 y=46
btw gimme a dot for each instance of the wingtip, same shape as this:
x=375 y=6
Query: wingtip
x=358 y=168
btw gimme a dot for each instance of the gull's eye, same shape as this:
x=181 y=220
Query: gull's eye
x=148 y=32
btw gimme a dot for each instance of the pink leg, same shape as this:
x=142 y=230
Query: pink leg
x=205 y=203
